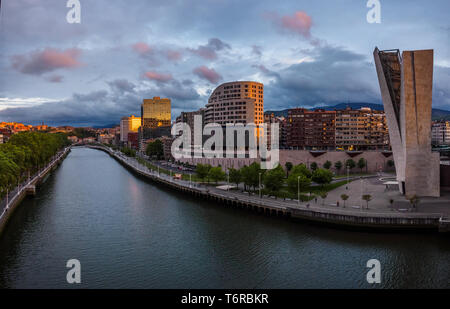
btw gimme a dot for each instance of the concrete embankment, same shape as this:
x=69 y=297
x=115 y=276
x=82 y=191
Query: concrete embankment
x=29 y=188
x=277 y=207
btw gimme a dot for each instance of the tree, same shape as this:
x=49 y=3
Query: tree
x=202 y=171
x=301 y=169
x=129 y=152
x=367 y=198
x=250 y=175
x=314 y=166
x=322 y=176
x=294 y=182
x=344 y=197
x=216 y=174
x=155 y=149
x=350 y=164
x=323 y=195
x=25 y=152
x=235 y=176
x=274 y=179
x=361 y=164
x=289 y=167
x=327 y=165
x=338 y=166
x=414 y=200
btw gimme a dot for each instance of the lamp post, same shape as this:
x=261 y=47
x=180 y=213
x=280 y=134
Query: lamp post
x=362 y=192
x=298 y=189
x=348 y=176
x=190 y=180
x=260 y=185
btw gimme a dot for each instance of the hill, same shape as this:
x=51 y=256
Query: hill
x=437 y=114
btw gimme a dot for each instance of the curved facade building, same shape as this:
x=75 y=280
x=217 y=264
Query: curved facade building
x=236 y=102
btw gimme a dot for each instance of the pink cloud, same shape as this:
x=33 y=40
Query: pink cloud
x=299 y=23
x=141 y=48
x=173 y=55
x=209 y=74
x=159 y=77
x=48 y=60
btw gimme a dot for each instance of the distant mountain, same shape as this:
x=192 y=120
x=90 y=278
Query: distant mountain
x=106 y=126
x=437 y=114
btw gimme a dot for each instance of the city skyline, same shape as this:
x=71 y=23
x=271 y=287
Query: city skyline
x=61 y=73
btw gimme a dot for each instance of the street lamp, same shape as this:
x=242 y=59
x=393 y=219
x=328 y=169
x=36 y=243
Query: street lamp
x=362 y=192
x=348 y=176
x=260 y=185
x=298 y=189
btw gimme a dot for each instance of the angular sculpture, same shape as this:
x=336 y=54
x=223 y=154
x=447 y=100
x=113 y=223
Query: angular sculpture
x=406 y=84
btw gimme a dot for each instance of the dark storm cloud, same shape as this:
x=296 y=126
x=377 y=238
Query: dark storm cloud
x=190 y=47
x=209 y=51
x=332 y=75
x=103 y=106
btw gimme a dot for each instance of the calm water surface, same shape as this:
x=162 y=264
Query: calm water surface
x=128 y=233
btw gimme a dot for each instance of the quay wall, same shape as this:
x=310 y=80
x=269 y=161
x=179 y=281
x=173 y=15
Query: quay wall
x=411 y=221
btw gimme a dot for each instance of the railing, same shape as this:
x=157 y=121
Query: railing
x=12 y=196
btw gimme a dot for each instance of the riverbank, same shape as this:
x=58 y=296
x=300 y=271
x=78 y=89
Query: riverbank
x=342 y=217
x=28 y=188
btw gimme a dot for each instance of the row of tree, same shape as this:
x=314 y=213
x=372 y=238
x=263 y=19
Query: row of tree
x=273 y=180
x=350 y=163
x=25 y=153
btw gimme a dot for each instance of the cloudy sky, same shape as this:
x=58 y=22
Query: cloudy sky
x=307 y=53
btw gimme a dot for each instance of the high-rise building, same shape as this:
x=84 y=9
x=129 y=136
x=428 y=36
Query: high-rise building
x=156 y=113
x=129 y=125
x=156 y=120
x=440 y=133
x=236 y=102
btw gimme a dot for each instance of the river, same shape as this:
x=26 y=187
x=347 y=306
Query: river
x=129 y=233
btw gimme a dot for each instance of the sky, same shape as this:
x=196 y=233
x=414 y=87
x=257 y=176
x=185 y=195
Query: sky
x=307 y=53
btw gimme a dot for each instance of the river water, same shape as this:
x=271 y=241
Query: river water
x=129 y=233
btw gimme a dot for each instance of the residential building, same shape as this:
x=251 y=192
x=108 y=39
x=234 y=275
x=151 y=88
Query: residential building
x=310 y=129
x=236 y=102
x=440 y=133
x=363 y=129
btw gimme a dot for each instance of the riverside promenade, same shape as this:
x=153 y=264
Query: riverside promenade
x=316 y=212
x=15 y=197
